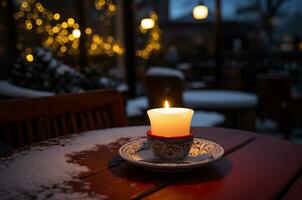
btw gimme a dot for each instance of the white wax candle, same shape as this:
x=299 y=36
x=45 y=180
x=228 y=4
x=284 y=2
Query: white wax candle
x=170 y=122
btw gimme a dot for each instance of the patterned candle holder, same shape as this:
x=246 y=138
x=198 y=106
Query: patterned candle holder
x=170 y=148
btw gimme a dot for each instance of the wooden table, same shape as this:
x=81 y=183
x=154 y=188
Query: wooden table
x=238 y=107
x=220 y=99
x=254 y=167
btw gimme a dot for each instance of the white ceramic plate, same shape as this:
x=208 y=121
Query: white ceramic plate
x=202 y=153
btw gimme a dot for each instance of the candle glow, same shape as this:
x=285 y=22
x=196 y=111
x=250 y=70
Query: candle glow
x=170 y=121
x=167 y=105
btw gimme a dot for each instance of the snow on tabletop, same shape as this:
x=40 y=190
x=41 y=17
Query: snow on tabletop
x=161 y=71
x=33 y=173
x=207 y=119
x=219 y=99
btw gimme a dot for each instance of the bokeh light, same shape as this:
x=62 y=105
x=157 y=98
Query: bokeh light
x=76 y=33
x=29 y=57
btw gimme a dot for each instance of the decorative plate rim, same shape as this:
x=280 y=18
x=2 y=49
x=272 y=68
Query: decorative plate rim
x=172 y=166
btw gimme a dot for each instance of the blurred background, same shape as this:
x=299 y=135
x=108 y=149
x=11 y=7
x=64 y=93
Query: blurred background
x=236 y=63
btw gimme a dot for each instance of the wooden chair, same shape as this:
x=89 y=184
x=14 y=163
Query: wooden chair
x=25 y=121
x=232 y=79
x=294 y=114
x=274 y=97
x=164 y=87
x=274 y=94
x=161 y=87
x=276 y=102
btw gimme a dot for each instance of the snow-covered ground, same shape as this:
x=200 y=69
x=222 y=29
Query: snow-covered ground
x=9 y=90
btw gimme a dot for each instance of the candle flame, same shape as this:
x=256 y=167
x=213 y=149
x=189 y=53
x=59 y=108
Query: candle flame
x=167 y=105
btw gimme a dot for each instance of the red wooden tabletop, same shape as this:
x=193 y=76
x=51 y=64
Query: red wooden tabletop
x=254 y=167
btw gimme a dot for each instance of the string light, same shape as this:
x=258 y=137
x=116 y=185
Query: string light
x=64 y=25
x=71 y=37
x=76 y=33
x=99 y=4
x=153 y=44
x=55 y=29
x=56 y=16
x=63 y=49
x=39 y=22
x=24 y=5
x=147 y=23
x=111 y=8
x=29 y=57
x=28 y=50
x=29 y=26
x=105 y=4
x=19 y=46
x=70 y=21
x=88 y=31
x=4 y=3
x=62 y=36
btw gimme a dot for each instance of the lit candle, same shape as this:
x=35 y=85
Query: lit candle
x=170 y=122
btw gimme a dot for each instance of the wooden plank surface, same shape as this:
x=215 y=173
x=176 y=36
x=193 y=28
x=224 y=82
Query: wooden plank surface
x=254 y=167
x=132 y=181
x=259 y=170
x=295 y=191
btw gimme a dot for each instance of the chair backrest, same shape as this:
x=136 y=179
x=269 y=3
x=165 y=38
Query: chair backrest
x=232 y=79
x=274 y=93
x=25 y=121
x=164 y=86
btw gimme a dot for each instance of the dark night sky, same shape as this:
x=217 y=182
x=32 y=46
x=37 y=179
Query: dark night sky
x=180 y=8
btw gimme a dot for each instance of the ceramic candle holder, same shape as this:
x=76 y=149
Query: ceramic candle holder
x=170 y=148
